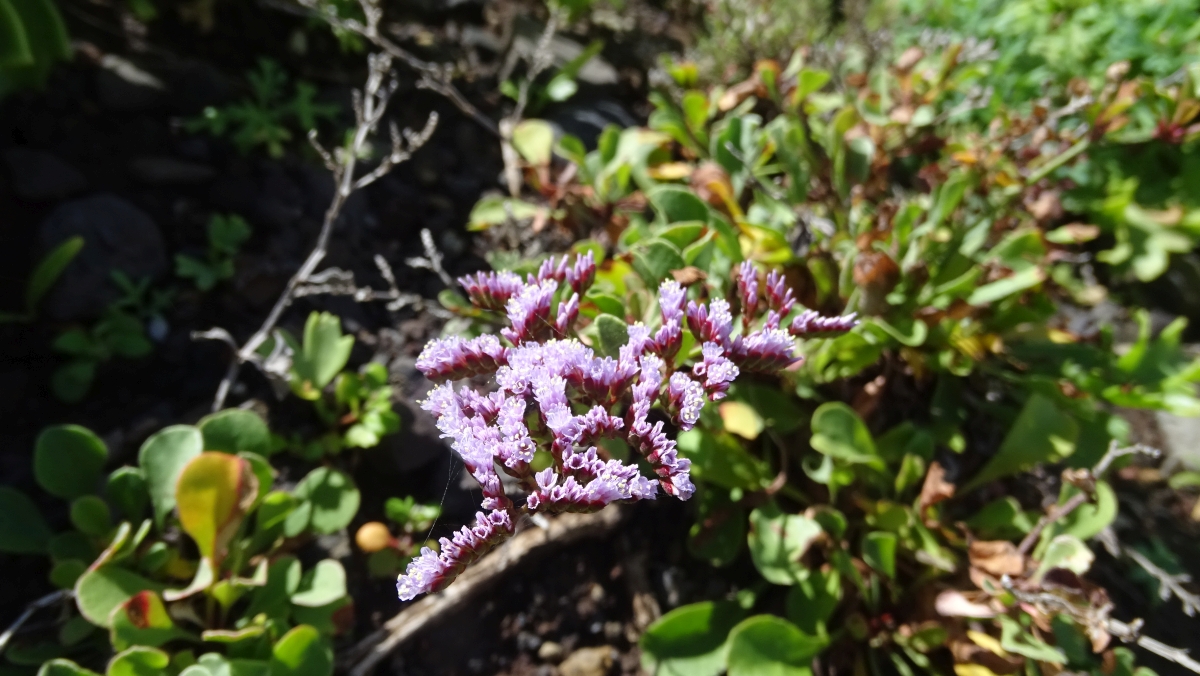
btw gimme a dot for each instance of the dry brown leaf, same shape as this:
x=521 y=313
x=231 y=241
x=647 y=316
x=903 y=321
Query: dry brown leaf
x=935 y=489
x=1047 y=207
x=996 y=557
x=953 y=603
x=689 y=275
x=909 y=58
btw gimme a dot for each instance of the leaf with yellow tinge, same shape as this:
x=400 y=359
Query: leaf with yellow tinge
x=142 y=620
x=741 y=419
x=972 y=670
x=213 y=493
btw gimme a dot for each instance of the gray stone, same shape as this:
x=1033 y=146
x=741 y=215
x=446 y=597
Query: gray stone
x=40 y=176
x=117 y=236
x=163 y=171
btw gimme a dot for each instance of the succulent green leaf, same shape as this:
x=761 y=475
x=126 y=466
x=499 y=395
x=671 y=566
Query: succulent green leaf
x=103 y=589
x=839 y=433
x=879 y=552
x=811 y=601
x=1065 y=551
x=62 y=666
x=302 y=652
x=213 y=493
x=778 y=540
x=90 y=515
x=162 y=458
x=66 y=573
x=674 y=204
x=1016 y=639
x=534 y=140
x=690 y=640
x=766 y=645
x=613 y=333
x=67 y=460
x=323 y=354
x=138 y=661
x=234 y=431
x=128 y=492
x=323 y=584
x=654 y=260
x=333 y=496
x=142 y=620
x=1041 y=433
x=52 y=266
x=22 y=530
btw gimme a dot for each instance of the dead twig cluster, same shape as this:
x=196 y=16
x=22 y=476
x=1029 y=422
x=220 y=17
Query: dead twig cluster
x=370 y=105
x=435 y=77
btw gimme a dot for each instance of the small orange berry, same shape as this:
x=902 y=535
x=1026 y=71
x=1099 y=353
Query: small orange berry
x=373 y=536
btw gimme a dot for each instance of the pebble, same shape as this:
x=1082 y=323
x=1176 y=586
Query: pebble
x=168 y=171
x=39 y=176
x=595 y=661
x=550 y=651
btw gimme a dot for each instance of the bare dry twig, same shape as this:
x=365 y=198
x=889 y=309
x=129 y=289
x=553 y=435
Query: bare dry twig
x=363 y=657
x=34 y=606
x=370 y=104
x=432 y=76
x=1098 y=618
x=1086 y=480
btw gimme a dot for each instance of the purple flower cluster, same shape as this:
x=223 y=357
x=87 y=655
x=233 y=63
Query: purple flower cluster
x=554 y=394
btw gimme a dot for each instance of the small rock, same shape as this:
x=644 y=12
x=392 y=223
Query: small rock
x=596 y=661
x=163 y=171
x=550 y=652
x=38 y=176
x=117 y=236
x=122 y=85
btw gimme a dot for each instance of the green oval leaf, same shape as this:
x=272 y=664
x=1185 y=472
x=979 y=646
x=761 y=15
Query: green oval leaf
x=765 y=645
x=778 y=540
x=22 y=530
x=333 y=497
x=690 y=640
x=138 y=661
x=302 y=652
x=213 y=493
x=162 y=459
x=322 y=585
x=90 y=515
x=234 y=431
x=839 y=433
x=67 y=460
x=61 y=666
x=101 y=590
x=127 y=490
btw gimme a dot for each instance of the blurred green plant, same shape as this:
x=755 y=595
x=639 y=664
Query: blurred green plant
x=47 y=272
x=355 y=408
x=268 y=118
x=199 y=532
x=33 y=39
x=125 y=329
x=226 y=234
x=389 y=554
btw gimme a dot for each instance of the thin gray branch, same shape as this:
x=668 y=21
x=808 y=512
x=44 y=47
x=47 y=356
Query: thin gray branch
x=370 y=104
x=34 y=606
x=1086 y=480
x=432 y=76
